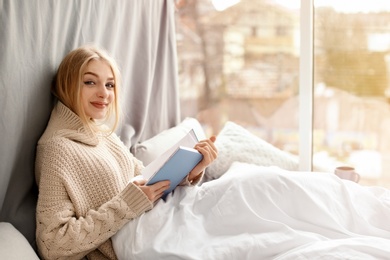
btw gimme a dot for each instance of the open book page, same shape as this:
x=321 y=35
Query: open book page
x=189 y=140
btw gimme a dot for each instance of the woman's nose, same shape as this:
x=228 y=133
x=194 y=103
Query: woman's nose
x=102 y=91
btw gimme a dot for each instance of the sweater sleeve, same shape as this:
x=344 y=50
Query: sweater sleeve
x=138 y=166
x=61 y=234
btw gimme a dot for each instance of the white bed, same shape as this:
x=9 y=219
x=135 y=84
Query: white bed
x=252 y=210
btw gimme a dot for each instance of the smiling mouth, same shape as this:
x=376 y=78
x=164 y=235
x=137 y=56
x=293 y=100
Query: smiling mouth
x=99 y=105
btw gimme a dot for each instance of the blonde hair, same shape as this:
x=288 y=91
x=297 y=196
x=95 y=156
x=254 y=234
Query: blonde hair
x=68 y=83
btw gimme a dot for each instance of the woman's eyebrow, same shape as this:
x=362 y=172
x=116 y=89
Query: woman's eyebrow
x=91 y=73
x=96 y=75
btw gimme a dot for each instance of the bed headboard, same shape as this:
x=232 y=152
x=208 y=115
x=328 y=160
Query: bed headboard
x=34 y=37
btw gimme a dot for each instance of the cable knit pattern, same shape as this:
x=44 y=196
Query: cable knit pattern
x=84 y=192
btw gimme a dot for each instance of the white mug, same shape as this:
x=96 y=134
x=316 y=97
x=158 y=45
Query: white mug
x=347 y=173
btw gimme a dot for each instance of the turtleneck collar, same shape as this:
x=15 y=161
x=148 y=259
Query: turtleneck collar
x=68 y=124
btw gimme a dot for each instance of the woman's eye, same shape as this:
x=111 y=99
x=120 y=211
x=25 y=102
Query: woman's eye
x=89 y=82
x=110 y=85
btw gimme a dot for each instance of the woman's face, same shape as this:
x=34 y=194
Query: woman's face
x=97 y=92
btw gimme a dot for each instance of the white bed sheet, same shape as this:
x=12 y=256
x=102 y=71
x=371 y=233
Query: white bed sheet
x=255 y=212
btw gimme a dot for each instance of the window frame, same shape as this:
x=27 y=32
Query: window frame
x=306 y=76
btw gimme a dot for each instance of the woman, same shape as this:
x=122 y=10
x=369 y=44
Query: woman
x=84 y=172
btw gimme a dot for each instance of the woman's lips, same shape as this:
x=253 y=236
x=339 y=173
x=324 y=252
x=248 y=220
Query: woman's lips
x=99 y=104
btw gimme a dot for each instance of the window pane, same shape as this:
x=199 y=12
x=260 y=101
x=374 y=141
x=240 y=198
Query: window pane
x=351 y=103
x=241 y=64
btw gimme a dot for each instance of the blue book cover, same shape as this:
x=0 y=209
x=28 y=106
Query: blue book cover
x=177 y=167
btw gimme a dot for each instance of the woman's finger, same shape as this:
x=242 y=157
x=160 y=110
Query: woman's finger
x=209 y=154
x=139 y=182
x=164 y=186
x=207 y=143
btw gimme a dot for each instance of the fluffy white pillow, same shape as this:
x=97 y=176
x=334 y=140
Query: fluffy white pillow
x=235 y=143
x=150 y=149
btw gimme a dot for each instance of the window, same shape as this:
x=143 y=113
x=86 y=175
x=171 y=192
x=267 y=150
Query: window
x=242 y=64
x=234 y=66
x=351 y=72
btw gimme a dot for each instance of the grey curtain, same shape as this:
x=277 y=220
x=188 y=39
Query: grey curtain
x=34 y=37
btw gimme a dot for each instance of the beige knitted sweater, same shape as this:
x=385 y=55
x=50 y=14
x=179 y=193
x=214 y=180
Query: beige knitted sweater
x=84 y=192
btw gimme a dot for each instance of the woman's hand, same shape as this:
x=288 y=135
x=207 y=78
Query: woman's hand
x=154 y=191
x=209 y=152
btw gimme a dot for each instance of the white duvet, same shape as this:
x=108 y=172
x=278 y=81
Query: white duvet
x=255 y=212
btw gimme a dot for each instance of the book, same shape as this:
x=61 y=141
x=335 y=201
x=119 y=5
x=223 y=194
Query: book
x=175 y=164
